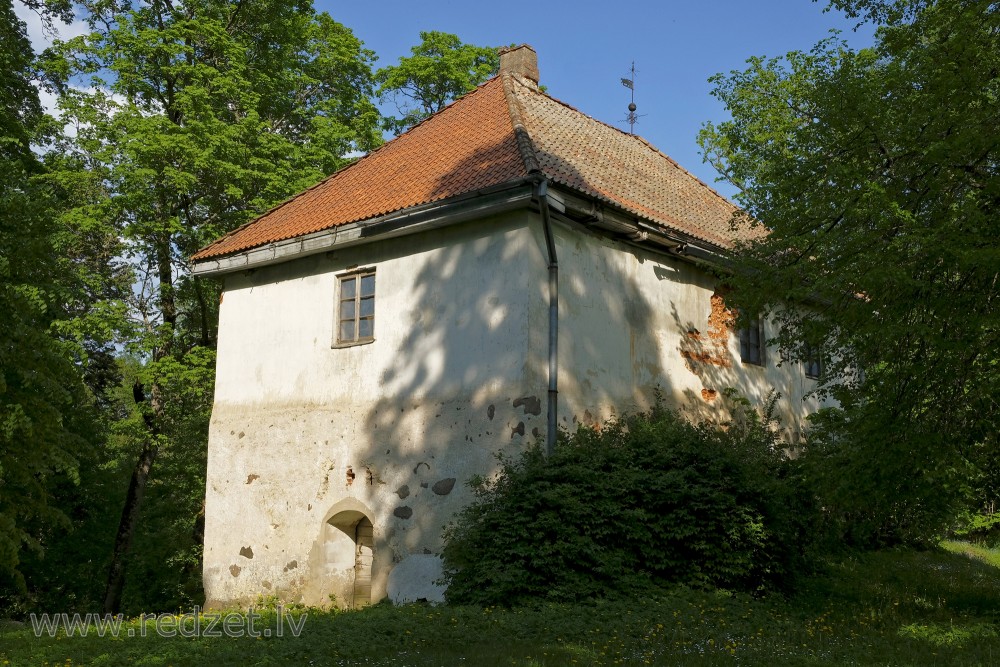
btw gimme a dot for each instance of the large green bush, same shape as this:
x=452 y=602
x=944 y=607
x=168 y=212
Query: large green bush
x=642 y=501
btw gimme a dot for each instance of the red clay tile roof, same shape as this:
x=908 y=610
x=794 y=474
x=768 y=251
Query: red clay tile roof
x=472 y=144
x=588 y=156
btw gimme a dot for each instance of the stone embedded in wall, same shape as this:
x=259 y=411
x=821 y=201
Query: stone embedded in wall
x=251 y=477
x=416 y=468
x=517 y=430
x=350 y=476
x=491 y=411
x=444 y=486
x=241 y=435
x=532 y=406
x=403 y=512
x=246 y=552
x=266 y=584
x=235 y=570
x=403 y=491
x=291 y=565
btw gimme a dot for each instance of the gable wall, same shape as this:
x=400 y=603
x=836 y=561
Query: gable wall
x=412 y=416
x=633 y=321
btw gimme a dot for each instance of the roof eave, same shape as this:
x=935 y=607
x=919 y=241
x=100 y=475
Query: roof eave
x=509 y=196
x=616 y=222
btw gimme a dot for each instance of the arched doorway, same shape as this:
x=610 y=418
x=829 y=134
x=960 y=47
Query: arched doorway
x=364 y=540
x=350 y=552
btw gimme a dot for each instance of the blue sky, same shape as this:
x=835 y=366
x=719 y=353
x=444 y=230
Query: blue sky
x=586 y=47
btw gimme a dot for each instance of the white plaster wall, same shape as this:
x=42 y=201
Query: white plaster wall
x=413 y=415
x=632 y=321
x=456 y=373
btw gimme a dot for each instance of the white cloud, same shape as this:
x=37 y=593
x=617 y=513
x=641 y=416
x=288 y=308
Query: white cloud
x=40 y=37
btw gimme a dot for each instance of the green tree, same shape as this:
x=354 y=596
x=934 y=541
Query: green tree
x=46 y=417
x=875 y=173
x=192 y=117
x=440 y=70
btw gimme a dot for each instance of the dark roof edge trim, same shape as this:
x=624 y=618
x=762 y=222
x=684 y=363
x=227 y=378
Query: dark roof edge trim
x=596 y=212
x=470 y=206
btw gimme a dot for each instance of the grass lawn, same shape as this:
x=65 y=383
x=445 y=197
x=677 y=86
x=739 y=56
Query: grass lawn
x=886 y=608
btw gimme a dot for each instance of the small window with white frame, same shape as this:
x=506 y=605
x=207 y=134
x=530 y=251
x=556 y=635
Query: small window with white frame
x=752 y=346
x=356 y=307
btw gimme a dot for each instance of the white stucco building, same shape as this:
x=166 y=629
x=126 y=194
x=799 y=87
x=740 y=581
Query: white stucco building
x=507 y=266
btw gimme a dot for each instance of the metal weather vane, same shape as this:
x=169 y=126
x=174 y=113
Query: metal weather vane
x=632 y=117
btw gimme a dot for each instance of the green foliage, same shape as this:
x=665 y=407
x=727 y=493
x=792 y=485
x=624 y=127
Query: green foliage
x=643 y=501
x=190 y=118
x=885 y=608
x=981 y=527
x=201 y=115
x=46 y=411
x=440 y=70
x=875 y=173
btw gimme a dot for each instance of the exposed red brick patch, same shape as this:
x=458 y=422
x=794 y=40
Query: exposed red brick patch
x=712 y=348
x=706 y=357
x=721 y=320
x=709 y=394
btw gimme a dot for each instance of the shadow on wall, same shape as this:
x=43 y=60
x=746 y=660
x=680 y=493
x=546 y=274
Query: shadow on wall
x=713 y=354
x=611 y=338
x=457 y=372
x=467 y=375
x=706 y=352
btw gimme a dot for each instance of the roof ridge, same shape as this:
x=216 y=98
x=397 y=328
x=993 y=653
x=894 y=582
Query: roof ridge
x=504 y=129
x=524 y=144
x=644 y=141
x=641 y=139
x=539 y=91
x=338 y=172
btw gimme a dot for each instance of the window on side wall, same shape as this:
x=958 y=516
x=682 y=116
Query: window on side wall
x=356 y=308
x=813 y=362
x=752 y=342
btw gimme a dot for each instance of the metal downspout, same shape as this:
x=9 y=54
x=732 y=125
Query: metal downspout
x=542 y=195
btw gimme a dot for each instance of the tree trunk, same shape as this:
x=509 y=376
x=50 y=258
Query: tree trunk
x=126 y=527
x=153 y=418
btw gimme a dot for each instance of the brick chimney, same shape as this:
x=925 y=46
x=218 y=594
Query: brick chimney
x=520 y=60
